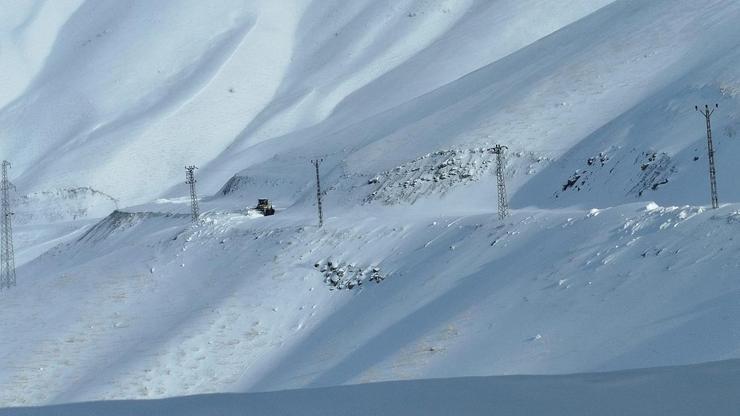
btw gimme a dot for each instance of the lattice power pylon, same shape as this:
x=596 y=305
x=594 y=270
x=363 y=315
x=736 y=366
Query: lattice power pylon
x=316 y=164
x=503 y=202
x=707 y=113
x=7 y=256
x=190 y=180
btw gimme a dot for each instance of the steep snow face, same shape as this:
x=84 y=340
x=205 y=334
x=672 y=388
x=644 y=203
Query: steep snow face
x=403 y=102
x=28 y=30
x=137 y=87
x=61 y=205
x=100 y=93
x=688 y=390
x=594 y=88
x=145 y=305
x=111 y=71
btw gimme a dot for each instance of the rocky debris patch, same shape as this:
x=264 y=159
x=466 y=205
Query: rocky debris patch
x=601 y=160
x=656 y=168
x=579 y=178
x=535 y=161
x=439 y=172
x=340 y=275
x=651 y=171
x=733 y=217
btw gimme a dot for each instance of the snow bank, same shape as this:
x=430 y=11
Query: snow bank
x=701 y=389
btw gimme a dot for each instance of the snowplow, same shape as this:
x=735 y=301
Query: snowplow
x=264 y=207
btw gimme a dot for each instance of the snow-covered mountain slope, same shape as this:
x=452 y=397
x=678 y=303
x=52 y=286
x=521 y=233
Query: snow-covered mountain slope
x=594 y=87
x=145 y=305
x=27 y=33
x=134 y=88
x=140 y=88
x=403 y=101
x=704 y=389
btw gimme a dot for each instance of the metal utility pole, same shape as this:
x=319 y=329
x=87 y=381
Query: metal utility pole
x=7 y=256
x=190 y=180
x=707 y=113
x=503 y=202
x=316 y=164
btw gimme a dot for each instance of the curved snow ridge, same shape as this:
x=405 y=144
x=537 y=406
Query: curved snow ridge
x=363 y=63
x=707 y=388
x=28 y=32
x=119 y=221
x=57 y=205
x=343 y=48
x=141 y=84
x=180 y=88
x=485 y=33
x=161 y=85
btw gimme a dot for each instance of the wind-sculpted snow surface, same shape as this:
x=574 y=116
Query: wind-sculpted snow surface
x=128 y=90
x=149 y=305
x=103 y=102
x=703 y=389
x=111 y=92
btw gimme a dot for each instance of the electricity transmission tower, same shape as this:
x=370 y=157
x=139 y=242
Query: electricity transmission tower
x=190 y=180
x=7 y=257
x=503 y=203
x=316 y=164
x=707 y=113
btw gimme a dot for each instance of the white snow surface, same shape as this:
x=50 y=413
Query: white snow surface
x=702 y=389
x=609 y=261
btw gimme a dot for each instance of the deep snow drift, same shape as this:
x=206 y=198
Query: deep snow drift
x=147 y=305
x=705 y=389
x=413 y=276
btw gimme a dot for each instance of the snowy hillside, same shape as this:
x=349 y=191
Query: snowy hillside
x=706 y=389
x=610 y=260
x=146 y=305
